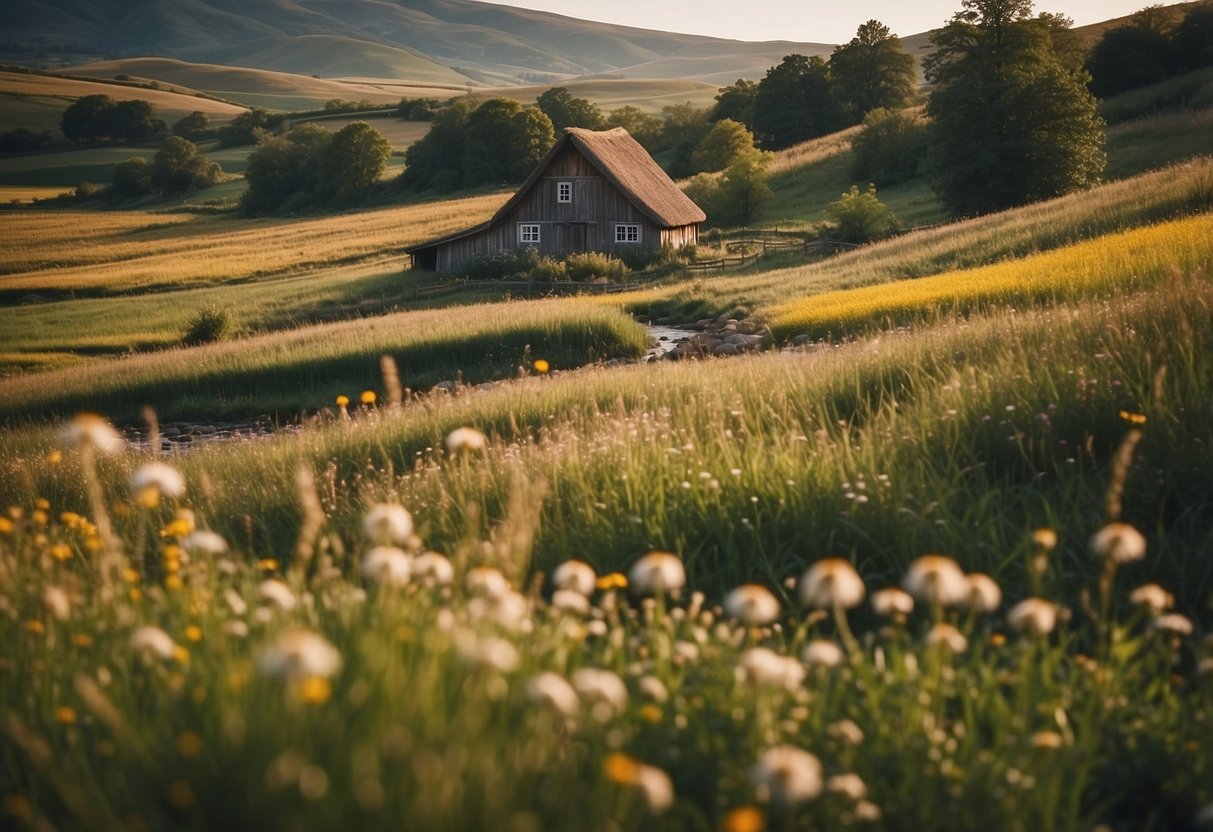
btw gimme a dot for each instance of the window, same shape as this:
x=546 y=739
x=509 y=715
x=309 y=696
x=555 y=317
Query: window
x=564 y=191
x=627 y=233
x=528 y=233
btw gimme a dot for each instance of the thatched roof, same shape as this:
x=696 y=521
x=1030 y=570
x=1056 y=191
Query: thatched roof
x=625 y=164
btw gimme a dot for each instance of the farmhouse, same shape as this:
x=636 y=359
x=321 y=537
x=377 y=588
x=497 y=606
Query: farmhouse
x=594 y=191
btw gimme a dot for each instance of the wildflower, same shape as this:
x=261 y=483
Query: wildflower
x=466 y=441
x=850 y=786
x=276 y=593
x=1152 y=597
x=486 y=582
x=192 y=632
x=189 y=744
x=555 y=692
x=948 y=636
x=54 y=457
x=786 y=774
x=603 y=690
x=937 y=579
x=984 y=594
x=387 y=565
x=745 y=819
x=615 y=580
x=541 y=366
x=57 y=603
x=88 y=429
x=569 y=601
x=1133 y=418
x=767 y=668
x=204 y=543
x=1047 y=740
x=1175 y=623
x=343 y=401
x=1044 y=539
x=433 y=569
x=891 y=602
x=831 y=582
x=388 y=523
x=654 y=784
x=300 y=654
x=653 y=688
x=160 y=478
x=657 y=573
x=491 y=654
x=65 y=715
x=368 y=397
x=846 y=732
x=822 y=653
x=1118 y=543
x=152 y=641
x=1033 y=617
x=575 y=576
x=752 y=604
x=866 y=812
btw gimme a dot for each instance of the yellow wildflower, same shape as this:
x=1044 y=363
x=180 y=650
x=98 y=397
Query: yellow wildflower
x=615 y=580
x=1133 y=418
x=620 y=768
x=65 y=715
x=541 y=366
x=82 y=640
x=314 y=690
x=6 y=526
x=368 y=397
x=745 y=819
x=343 y=401
x=193 y=633
x=189 y=744
x=61 y=552
x=54 y=457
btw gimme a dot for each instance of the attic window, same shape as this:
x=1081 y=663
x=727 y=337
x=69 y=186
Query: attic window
x=627 y=233
x=528 y=233
x=564 y=191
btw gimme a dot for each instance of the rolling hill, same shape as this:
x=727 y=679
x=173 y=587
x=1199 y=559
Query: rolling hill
x=429 y=40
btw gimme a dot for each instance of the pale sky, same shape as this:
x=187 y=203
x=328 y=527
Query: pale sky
x=815 y=21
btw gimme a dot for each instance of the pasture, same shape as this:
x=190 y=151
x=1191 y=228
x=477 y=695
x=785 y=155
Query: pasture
x=752 y=636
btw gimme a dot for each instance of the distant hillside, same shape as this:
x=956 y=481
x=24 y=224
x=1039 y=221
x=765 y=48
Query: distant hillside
x=424 y=40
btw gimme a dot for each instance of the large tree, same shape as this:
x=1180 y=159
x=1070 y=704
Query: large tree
x=1011 y=123
x=872 y=70
x=352 y=162
x=504 y=142
x=736 y=102
x=566 y=110
x=436 y=161
x=1133 y=55
x=643 y=127
x=85 y=121
x=178 y=166
x=794 y=102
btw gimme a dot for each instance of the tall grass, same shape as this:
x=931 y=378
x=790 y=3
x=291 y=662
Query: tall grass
x=1106 y=266
x=302 y=370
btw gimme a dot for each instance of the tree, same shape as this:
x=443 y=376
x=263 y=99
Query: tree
x=891 y=147
x=683 y=127
x=736 y=102
x=436 y=161
x=1194 y=38
x=352 y=161
x=504 y=142
x=193 y=126
x=643 y=127
x=724 y=143
x=284 y=168
x=861 y=218
x=23 y=140
x=85 y=120
x=794 y=102
x=1131 y=56
x=743 y=189
x=566 y=110
x=418 y=109
x=131 y=121
x=1010 y=123
x=244 y=128
x=131 y=178
x=178 y=166
x=872 y=70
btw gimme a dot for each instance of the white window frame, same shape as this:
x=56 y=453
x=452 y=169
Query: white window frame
x=564 y=192
x=529 y=233
x=627 y=232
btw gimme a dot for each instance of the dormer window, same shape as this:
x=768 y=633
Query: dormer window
x=564 y=192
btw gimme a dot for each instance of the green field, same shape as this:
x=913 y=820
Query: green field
x=252 y=633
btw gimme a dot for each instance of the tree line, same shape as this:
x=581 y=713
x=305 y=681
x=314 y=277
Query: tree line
x=1151 y=47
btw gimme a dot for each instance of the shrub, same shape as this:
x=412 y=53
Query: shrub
x=595 y=264
x=860 y=217
x=890 y=148
x=523 y=263
x=207 y=326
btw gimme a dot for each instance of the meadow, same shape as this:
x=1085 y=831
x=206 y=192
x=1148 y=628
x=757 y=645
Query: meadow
x=946 y=563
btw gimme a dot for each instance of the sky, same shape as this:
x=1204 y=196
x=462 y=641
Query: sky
x=806 y=21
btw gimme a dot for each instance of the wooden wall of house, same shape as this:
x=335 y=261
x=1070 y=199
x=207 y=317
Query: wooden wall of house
x=585 y=224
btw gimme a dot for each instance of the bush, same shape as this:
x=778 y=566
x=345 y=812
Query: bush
x=208 y=326
x=131 y=178
x=860 y=217
x=518 y=264
x=594 y=264
x=890 y=148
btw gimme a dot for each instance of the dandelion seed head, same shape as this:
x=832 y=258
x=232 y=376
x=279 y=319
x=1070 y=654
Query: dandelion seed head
x=433 y=569
x=154 y=642
x=1033 y=617
x=276 y=593
x=787 y=775
x=849 y=786
x=166 y=480
x=1152 y=597
x=657 y=573
x=466 y=441
x=937 y=579
x=300 y=654
x=555 y=692
x=822 y=653
x=94 y=431
x=832 y=582
x=203 y=542
x=1173 y=623
x=984 y=593
x=892 y=601
x=946 y=635
x=388 y=523
x=752 y=604
x=1119 y=543
x=575 y=576
x=766 y=668
x=387 y=566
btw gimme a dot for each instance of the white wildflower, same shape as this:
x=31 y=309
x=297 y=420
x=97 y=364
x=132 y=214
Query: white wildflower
x=752 y=604
x=466 y=441
x=767 y=668
x=203 y=542
x=937 y=579
x=433 y=569
x=300 y=654
x=832 y=582
x=892 y=601
x=1033 y=617
x=1119 y=543
x=277 y=593
x=94 y=431
x=163 y=478
x=657 y=573
x=152 y=641
x=575 y=576
x=984 y=593
x=787 y=775
x=947 y=636
x=388 y=523
x=822 y=653
x=552 y=690
x=387 y=565
x=1152 y=597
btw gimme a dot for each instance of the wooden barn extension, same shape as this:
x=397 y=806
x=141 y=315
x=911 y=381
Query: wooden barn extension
x=594 y=191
